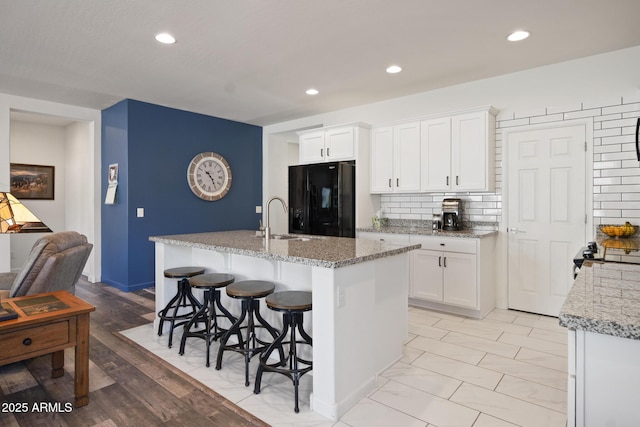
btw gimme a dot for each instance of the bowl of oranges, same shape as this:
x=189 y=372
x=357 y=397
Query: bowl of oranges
x=624 y=230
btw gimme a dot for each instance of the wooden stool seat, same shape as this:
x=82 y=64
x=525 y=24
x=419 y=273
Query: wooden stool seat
x=293 y=305
x=251 y=289
x=289 y=301
x=208 y=313
x=212 y=280
x=249 y=292
x=182 y=272
x=183 y=306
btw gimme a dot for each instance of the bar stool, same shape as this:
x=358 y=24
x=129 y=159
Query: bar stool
x=183 y=298
x=208 y=314
x=292 y=304
x=249 y=292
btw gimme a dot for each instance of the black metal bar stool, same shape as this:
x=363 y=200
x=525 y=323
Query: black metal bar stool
x=249 y=292
x=183 y=298
x=292 y=304
x=208 y=314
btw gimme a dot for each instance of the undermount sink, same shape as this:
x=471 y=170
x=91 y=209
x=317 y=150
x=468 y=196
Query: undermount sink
x=293 y=237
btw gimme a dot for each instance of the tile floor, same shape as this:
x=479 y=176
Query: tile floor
x=508 y=369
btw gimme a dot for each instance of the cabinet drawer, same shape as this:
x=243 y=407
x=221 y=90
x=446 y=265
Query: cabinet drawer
x=35 y=339
x=449 y=244
x=391 y=238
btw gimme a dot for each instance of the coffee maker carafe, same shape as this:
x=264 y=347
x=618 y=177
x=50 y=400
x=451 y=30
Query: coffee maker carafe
x=452 y=214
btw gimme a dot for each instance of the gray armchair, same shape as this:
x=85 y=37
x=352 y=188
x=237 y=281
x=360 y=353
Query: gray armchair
x=55 y=263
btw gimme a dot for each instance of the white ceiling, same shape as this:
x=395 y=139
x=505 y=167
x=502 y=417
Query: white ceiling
x=252 y=60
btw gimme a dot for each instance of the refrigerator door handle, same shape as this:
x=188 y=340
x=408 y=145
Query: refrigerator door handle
x=637 y=142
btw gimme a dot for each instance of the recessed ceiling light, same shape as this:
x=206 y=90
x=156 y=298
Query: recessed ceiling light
x=165 y=38
x=516 y=36
x=394 y=69
x=312 y=91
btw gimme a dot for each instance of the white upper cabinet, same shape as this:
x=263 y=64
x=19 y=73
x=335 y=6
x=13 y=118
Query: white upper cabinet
x=435 y=152
x=382 y=160
x=395 y=158
x=328 y=144
x=458 y=152
x=312 y=147
x=473 y=151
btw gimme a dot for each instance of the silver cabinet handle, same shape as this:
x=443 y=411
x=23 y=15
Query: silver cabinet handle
x=389 y=182
x=457 y=183
x=439 y=261
x=322 y=152
x=447 y=179
x=445 y=262
x=397 y=182
x=328 y=152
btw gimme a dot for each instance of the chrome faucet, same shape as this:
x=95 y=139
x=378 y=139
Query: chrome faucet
x=267 y=230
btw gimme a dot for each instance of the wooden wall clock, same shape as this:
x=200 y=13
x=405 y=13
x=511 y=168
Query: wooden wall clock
x=209 y=176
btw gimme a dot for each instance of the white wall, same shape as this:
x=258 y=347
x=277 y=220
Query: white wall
x=91 y=161
x=39 y=144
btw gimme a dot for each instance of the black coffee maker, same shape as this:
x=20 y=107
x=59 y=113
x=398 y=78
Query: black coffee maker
x=452 y=214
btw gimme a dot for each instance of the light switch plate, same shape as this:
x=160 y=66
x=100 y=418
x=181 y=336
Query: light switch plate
x=140 y=212
x=258 y=209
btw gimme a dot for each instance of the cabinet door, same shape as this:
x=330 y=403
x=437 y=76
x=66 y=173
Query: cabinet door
x=382 y=160
x=406 y=157
x=426 y=275
x=435 y=154
x=312 y=147
x=469 y=152
x=339 y=144
x=460 y=279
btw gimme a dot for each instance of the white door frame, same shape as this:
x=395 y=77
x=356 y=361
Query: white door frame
x=502 y=292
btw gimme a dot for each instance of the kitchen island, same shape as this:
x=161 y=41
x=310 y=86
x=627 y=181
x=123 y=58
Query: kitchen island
x=360 y=290
x=602 y=313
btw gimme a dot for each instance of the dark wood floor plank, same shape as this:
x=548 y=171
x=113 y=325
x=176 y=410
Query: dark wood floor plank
x=128 y=385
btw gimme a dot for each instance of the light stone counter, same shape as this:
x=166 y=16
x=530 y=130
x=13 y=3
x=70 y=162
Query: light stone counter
x=605 y=299
x=425 y=231
x=321 y=251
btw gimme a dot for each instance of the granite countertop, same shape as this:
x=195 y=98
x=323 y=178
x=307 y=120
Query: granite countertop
x=425 y=231
x=320 y=251
x=605 y=298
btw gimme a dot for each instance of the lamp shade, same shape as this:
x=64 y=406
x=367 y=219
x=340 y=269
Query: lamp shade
x=17 y=218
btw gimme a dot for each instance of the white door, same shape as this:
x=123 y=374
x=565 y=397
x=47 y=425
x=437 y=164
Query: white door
x=312 y=147
x=435 y=152
x=406 y=157
x=469 y=152
x=339 y=144
x=546 y=215
x=382 y=160
x=460 y=279
x=426 y=275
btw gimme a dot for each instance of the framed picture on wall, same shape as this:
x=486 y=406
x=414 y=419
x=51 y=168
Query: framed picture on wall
x=32 y=181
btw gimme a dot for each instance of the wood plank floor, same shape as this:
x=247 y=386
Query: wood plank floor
x=128 y=385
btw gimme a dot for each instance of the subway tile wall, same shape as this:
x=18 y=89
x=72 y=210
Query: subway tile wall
x=616 y=170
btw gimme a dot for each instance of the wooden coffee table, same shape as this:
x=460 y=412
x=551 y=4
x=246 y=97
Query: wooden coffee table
x=49 y=323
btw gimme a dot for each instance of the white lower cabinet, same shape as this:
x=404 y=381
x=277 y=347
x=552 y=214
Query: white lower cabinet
x=442 y=275
x=453 y=274
x=604 y=380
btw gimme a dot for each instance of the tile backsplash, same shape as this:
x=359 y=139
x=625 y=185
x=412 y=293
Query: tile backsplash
x=616 y=170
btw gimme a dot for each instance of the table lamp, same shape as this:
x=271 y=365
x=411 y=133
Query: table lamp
x=17 y=218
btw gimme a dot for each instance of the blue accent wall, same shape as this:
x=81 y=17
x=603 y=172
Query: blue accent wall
x=153 y=146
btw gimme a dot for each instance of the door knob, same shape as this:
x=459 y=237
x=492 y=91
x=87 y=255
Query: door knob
x=514 y=230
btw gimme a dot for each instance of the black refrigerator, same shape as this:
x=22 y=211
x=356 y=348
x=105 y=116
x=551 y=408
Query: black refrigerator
x=322 y=199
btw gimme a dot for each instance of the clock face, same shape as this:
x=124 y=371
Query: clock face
x=209 y=176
